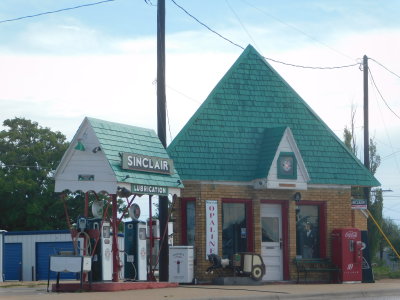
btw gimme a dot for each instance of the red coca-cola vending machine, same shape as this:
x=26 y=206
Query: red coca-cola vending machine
x=347 y=254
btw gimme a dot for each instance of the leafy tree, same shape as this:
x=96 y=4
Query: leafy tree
x=375 y=203
x=392 y=231
x=29 y=155
x=375 y=238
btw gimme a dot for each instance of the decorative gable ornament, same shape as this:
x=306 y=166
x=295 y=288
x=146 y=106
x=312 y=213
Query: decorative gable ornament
x=287 y=169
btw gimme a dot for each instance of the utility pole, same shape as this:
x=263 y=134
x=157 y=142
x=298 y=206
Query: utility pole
x=162 y=134
x=366 y=128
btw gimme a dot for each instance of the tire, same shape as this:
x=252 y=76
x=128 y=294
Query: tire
x=257 y=272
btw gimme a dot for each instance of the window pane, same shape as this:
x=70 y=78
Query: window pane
x=307 y=231
x=190 y=222
x=270 y=229
x=234 y=231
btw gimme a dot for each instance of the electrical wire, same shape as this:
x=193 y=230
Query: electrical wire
x=169 y=125
x=201 y=23
x=374 y=60
x=241 y=23
x=380 y=94
x=388 y=136
x=297 y=29
x=267 y=58
x=55 y=11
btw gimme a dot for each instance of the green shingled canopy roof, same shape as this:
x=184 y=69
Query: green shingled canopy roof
x=237 y=128
x=118 y=138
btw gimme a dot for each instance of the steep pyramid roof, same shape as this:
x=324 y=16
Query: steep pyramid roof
x=225 y=139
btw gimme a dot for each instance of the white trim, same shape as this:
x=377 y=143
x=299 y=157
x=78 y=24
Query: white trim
x=329 y=186
x=297 y=153
x=237 y=183
x=251 y=183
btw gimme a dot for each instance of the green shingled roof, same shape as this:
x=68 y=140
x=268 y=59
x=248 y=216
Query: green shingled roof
x=118 y=138
x=235 y=131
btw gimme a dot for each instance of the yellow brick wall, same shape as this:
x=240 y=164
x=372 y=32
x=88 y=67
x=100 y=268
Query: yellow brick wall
x=338 y=213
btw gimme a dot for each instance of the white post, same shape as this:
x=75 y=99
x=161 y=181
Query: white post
x=1 y=254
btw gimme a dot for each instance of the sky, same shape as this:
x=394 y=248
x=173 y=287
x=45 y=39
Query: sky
x=100 y=61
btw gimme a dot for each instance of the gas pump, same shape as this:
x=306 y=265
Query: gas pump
x=106 y=249
x=135 y=260
x=98 y=244
x=347 y=253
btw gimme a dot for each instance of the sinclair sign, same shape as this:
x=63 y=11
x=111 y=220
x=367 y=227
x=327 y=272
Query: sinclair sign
x=144 y=163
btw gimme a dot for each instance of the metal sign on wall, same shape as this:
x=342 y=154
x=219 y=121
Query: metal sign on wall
x=359 y=203
x=138 y=162
x=211 y=227
x=149 y=189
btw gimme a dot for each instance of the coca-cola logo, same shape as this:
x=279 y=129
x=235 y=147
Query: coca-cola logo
x=350 y=235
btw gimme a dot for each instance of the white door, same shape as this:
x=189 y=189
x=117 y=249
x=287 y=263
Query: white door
x=271 y=241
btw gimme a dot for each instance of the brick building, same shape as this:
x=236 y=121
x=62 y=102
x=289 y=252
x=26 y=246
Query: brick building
x=262 y=172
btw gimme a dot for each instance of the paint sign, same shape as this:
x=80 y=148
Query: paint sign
x=211 y=227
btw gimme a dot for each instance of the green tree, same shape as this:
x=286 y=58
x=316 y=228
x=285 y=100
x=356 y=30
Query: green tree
x=392 y=231
x=375 y=238
x=375 y=202
x=29 y=155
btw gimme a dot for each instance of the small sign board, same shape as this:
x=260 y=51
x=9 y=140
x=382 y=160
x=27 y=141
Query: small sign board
x=358 y=203
x=138 y=162
x=149 y=189
x=211 y=227
x=85 y=177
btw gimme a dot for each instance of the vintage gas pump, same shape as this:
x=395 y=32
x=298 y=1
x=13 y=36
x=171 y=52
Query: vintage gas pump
x=347 y=253
x=135 y=260
x=98 y=244
x=106 y=249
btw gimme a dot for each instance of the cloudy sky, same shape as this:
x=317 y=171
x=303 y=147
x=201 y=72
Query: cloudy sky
x=100 y=61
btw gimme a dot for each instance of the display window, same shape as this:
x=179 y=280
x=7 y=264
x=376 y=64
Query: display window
x=310 y=230
x=237 y=230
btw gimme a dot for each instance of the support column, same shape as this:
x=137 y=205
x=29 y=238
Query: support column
x=115 y=250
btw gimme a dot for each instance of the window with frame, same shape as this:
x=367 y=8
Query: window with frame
x=188 y=221
x=310 y=230
x=237 y=231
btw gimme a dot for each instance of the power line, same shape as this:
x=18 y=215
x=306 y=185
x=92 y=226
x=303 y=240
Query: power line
x=297 y=29
x=201 y=23
x=241 y=23
x=380 y=94
x=387 y=156
x=384 y=67
x=267 y=58
x=55 y=11
x=387 y=134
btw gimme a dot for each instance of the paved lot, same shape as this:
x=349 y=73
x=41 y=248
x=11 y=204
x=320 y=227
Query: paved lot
x=385 y=289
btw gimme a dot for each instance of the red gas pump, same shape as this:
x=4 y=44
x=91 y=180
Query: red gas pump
x=347 y=254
